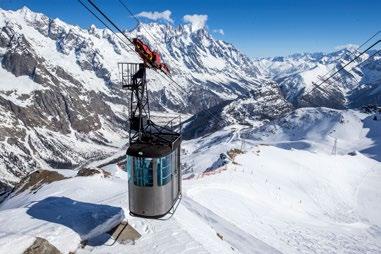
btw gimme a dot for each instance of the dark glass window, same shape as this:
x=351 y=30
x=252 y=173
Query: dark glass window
x=164 y=170
x=143 y=171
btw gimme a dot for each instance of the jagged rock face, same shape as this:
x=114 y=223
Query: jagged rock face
x=61 y=103
x=19 y=63
x=60 y=99
x=48 y=113
x=266 y=102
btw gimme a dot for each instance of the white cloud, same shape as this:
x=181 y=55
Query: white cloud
x=219 y=31
x=155 y=15
x=197 y=21
x=347 y=46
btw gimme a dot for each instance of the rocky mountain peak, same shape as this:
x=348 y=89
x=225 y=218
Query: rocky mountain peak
x=65 y=95
x=61 y=102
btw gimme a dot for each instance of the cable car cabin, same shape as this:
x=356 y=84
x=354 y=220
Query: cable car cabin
x=154 y=177
x=153 y=155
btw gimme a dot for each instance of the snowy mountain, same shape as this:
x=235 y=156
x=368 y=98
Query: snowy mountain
x=260 y=175
x=293 y=76
x=61 y=103
x=260 y=104
x=59 y=87
x=358 y=84
x=281 y=190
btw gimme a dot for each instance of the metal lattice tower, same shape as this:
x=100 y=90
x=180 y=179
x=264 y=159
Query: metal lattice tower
x=133 y=77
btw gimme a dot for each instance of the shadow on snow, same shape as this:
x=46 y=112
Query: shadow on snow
x=374 y=134
x=88 y=220
x=298 y=145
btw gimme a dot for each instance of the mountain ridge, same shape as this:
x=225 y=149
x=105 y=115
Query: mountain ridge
x=60 y=96
x=296 y=73
x=62 y=104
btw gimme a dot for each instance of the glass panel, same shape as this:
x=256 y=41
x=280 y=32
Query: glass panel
x=143 y=171
x=128 y=166
x=164 y=170
x=174 y=161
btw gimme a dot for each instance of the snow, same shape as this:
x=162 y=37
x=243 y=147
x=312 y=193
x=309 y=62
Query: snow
x=271 y=199
x=213 y=62
x=307 y=205
x=317 y=129
x=101 y=48
x=236 y=237
x=11 y=87
x=287 y=193
x=368 y=195
x=14 y=243
x=22 y=84
x=296 y=72
x=65 y=212
x=81 y=147
x=312 y=75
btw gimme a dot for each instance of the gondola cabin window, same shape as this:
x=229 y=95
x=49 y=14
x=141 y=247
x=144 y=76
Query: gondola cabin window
x=128 y=167
x=143 y=172
x=164 y=170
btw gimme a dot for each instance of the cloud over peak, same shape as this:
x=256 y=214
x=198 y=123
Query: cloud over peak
x=196 y=20
x=156 y=15
x=219 y=31
x=347 y=46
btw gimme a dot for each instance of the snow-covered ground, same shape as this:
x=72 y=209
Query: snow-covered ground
x=287 y=193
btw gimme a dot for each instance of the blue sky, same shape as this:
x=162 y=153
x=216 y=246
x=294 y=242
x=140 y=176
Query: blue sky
x=258 y=27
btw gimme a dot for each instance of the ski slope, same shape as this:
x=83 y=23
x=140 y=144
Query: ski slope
x=273 y=198
x=305 y=206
